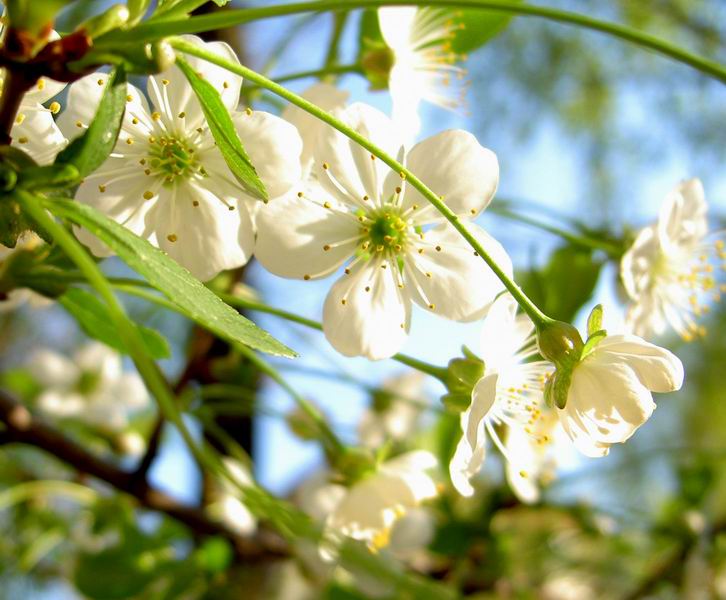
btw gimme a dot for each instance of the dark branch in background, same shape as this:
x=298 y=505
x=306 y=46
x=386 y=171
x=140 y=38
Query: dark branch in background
x=22 y=427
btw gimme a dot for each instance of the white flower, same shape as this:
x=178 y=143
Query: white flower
x=91 y=387
x=670 y=271
x=371 y=506
x=610 y=391
x=325 y=96
x=369 y=509
x=395 y=412
x=34 y=130
x=14 y=298
x=423 y=62
x=226 y=505
x=166 y=179
x=511 y=393
x=401 y=250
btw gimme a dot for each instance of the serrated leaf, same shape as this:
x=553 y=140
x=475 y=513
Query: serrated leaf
x=594 y=321
x=90 y=150
x=93 y=317
x=224 y=132
x=194 y=300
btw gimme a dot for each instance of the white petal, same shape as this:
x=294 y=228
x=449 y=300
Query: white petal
x=682 y=218
x=503 y=332
x=274 y=147
x=461 y=286
x=325 y=96
x=471 y=449
x=122 y=200
x=657 y=368
x=396 y=23
x=44 y=90
x=606 y=403
x=350 y=164
x=371 y=323
x=38 y=135
x=292 y=232
x=638 y=261
x=176 y=96
x=523 y=468
x=207 y=238
x=454 y=165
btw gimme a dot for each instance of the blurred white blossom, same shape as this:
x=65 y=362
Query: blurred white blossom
x=91 y=387
x=671 y=272
x=226 y=504
x=395 y=411
x=423 y=62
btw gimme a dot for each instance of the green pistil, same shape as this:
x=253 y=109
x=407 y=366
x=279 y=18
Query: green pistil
x=171 y=157
x=386 y=231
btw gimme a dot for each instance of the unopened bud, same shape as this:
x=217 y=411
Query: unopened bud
x=115 y=17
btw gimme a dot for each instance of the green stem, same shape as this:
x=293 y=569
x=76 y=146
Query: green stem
x=330 y=441
x=155 y=30
x=339 y=20
x=419 y=365
x=612 y=250
x=534 y=313
x=329 y=70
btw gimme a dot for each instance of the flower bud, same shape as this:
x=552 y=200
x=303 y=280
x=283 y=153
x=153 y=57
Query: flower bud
x=354 y=463
x=115 y=17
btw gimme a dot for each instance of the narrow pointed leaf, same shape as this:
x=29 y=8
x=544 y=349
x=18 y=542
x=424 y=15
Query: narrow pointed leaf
x=193 y=299
x=93 y=317
x=90 y=150
x=222 y=128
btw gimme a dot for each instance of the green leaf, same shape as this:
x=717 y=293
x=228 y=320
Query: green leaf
x=564 y=284
x=479 y=27
x=90 y=150
x=189 y=294
x=594 y=321
x=93 y=317
x=224 y=132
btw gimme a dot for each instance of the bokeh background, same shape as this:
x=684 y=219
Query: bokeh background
x=589 y=131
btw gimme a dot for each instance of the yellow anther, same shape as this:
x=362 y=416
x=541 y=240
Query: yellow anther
x=20 y=118
x=248 y=111
x=135 y=121
x=23 y=140
x=79 y=124
x=102 y=188
x=306 y=277
x=172 y=237
x=195 y=203
x=165 y=82
x=100 y=82
x=54 y=107
x=156 y=115
x=129 y=141
x=41 y=84
x=225 y=85
x=148 y=195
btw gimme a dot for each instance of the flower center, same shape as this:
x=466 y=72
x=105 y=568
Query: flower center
x=171 y=157
x=385 y=231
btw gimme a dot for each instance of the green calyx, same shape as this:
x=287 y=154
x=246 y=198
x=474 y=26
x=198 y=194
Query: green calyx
x=461 y=376
x=171 y=157
x=354 y=464
x=561 y=344
x=386 y=232
x=377 y=64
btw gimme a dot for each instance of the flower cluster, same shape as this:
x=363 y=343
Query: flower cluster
x=336 y=209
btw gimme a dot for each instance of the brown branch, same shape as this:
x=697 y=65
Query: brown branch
x=25 y=428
